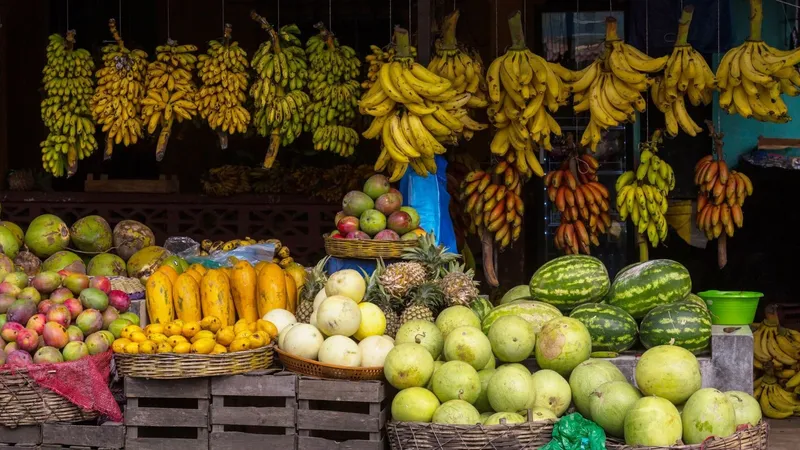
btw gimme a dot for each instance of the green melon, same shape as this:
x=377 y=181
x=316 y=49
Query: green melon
x=684 y=324
x=537 y=313
x=647 y=285
x=481 y=307
x=612 y=329
x=569 y=281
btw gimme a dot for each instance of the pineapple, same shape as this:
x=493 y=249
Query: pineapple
x=377 y=294
x=423 y=301
x=434 y=258
x=315 y=281
x=400 y=277
x=458 y=285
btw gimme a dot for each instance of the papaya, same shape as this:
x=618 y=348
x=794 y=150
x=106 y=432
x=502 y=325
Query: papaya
x=170 y=272
x=186 y=297
x=291 y=293
x=199 y=268
x=243 y=288
x=194 y=274
x=226 y=271
x=215 y=296
x=297 y=272
x=260 y=266
x=158 y=293
x=271 y=289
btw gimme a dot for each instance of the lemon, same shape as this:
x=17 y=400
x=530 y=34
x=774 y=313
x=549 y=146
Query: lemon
x=373 y=321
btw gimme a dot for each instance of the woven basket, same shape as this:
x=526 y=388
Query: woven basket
x=518 y=436
x=317 y=369
x=753 y=438
x=363 y=249
x=24 y=402
x=173 y=365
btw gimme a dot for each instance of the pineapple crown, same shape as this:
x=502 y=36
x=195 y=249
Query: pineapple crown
x=426 y=294
x=456 y=267
x=375 y=292
x=434 y=257
x=315 y=281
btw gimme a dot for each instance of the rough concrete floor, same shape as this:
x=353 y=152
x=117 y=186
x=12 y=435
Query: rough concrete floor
x=784 y=434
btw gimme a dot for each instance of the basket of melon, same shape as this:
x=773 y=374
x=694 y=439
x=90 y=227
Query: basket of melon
x=207 y=322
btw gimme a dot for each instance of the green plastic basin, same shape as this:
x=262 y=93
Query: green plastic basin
x=731 y=307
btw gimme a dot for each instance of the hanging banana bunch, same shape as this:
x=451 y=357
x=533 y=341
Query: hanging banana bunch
x=378 y=57
x=333 y=70
x=68 y=87
x=281 y=73
x=610 y=87
x=414 y=112
x=686 y=75
x=523 y=87
x=494 y=203
x=170 y=91
x=116 y=103
x=752 y=76
x=221 y=98
x=465 y=73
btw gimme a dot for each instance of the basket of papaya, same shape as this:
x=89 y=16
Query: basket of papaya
x=207 y=322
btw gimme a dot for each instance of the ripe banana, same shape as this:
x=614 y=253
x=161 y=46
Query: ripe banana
x=493 y=203
x=68 y=87
x=378 y=57
x=721 y=197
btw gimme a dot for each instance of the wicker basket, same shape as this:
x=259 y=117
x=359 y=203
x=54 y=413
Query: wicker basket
x=24 y=402
x=317 y=369
x=363 y=249
x=753 y=438
x=413 y=435
x=173 y=365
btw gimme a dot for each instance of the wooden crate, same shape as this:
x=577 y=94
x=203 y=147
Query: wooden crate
x=166 y=414
x=59 y=436
x=21 y=438
x=341 y=414
x=253 y=410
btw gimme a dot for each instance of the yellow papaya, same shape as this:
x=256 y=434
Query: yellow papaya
x=215 y=296
x=199 y=268
x=243 y=288
x=271 y=289
x=260 y=266
x=158 y=293
x=291 y=293
x=299 y=274
x=226 y=271
x=186 y=297
x=194 y=274
x=170 y=272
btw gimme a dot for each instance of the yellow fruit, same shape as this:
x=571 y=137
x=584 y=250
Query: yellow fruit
x=258 y=339
x=138 y=336
x=173 y=329
x=164 y=348
x=147 y=347
x=158 y=338
x=179 y=322
x=243 y=335
x=211 y=323
x=190 y=329
x=173 y=341
x=205 y=334
x=267 y=327
x=240 y=345
x=203 y=346
x=373 y=321
x=170 y=272
x=158 y=293
x=252 y=327
x=225 y=336
x=154 y=328
x=183 y=347
x=199 y=268
x=132 y=348
x=240 y=326
x=129 y=330
x=218 y=349
x=119 y=345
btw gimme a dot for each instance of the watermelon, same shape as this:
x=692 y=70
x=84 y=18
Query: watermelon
x=692 y=298
x=569 y=281
x=647 y=285
x=537 y=313
x=612 y=329
x=683 y=323
x=481 y=307
x=625 y=269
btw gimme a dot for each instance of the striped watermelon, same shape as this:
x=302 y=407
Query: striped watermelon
x=625 y=269
x=645 y=286
x=612 y=329
x=537 y=313
x=569 y=281
x=683 y=323
x=481 y=306
x=692 y=298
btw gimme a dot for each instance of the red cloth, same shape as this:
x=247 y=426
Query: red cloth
x=83 y=382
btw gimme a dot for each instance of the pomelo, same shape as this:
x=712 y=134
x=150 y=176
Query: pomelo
x=552 y=391
x=504 y=418
x=470 y=345
x=708 y=412
x=588 y=376
x=482 y=402
x=414 y=404
x=653 y=422
x=456 y=380
x=512 y=338
x=421 y=332
x=454 y=317
x=521 y=292
x=609 y=404
x=669 y=372
x=748 y=411
x=510 y=390
x=562 y=344
x=456 y=412
x=408 y=365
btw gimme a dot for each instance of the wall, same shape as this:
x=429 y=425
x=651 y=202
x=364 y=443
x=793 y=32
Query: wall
x=742 y=134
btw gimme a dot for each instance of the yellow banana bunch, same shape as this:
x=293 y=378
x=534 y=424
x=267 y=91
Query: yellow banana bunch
x=337 y=139
x=220 y=100
x=378 y=57
x=610 y=87
x=642 y=193
x=465 y=72
x=170 y=91
x=493 y=203
x=116 y=104
x=752 y=76
x=523 y=87
x=776 y=352
x=414 y=111
x=581 y=200
x=281 y=74
x=686 y=75
x=721 y=197
x=68 y=87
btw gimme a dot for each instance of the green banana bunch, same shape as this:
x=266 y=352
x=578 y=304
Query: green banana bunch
x=337 y=139
x=65 y=110
x=281 y=73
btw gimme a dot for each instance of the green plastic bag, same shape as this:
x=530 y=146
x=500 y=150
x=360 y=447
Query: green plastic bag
x=573 y=432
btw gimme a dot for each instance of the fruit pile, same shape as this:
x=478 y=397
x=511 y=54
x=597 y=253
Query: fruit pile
x=58 y=316
x=776 y=354
x=582 y=201
x=376 y=212
x=68 y=86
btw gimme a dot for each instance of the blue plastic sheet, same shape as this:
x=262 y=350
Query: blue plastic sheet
x=428 y=195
